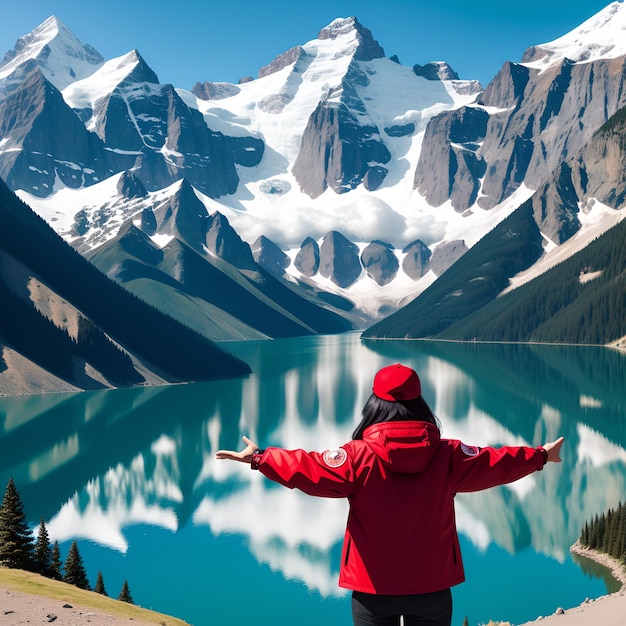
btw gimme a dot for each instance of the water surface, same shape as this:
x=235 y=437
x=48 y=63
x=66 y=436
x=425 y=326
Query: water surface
x=131 y=475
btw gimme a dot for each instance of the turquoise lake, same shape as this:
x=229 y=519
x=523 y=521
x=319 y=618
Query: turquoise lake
x=130 y=474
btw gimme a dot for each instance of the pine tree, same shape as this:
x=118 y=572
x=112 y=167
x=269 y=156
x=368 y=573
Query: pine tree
x=42 y=556
x=16 y=538
x=584 y=539
x=99 y=588
x=56 y=566
x=75 y=573
x=466 y=621
x=593 y=538
x=125 y=593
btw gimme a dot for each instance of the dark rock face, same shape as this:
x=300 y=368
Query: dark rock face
x=380 y=262
x=132 y=127
x=403 y=130
x=214 y=91
x=555 y=207
x=339 y=260
x=337 y=152
x=47 y=139
x=598 y=172
x=183 y=216
x=205 y=158
x=374 y=177
x=246 y=151
x=554 y=114
x=542 y=118
x=307 y=260
x=507 y=88
x=269 y=256
x=282 y=60
x=450 y=166
x=367 y=47
x=148 y=223
x=446 y=255
x=417 y=260
x=222 y=240
x=130 y=187
x=436 y=71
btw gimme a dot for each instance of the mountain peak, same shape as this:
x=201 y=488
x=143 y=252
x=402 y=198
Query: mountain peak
x=599 y=37
x=62 y=57
x=367 y=47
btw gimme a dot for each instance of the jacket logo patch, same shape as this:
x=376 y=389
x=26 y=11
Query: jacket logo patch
x=470 y=450
x=335 y=458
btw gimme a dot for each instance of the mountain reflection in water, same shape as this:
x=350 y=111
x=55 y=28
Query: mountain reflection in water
x=95 y=465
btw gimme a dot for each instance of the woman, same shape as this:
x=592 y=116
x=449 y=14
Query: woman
x=401 y=552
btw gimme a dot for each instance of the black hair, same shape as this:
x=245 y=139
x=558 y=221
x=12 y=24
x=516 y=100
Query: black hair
x=377 y=410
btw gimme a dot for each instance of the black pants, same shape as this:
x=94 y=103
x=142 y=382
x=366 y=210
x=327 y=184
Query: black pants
x=425 y=609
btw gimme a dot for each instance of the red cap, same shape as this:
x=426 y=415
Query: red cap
x=397 y=382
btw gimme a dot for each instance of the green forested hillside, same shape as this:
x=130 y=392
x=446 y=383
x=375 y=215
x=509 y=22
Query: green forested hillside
x=558 y=306
x=172 y=350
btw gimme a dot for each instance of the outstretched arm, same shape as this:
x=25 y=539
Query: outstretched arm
x=245 y=456
x=326 y=474
x=474 y=469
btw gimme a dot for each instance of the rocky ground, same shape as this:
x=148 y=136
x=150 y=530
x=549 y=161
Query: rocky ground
x=22 y=608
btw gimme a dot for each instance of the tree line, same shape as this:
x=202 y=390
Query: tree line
x=20 y=550
x=607 y=533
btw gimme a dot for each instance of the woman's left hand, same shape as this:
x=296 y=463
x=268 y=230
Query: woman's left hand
x=245 y=456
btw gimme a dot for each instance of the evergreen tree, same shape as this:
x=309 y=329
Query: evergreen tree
x=42 y=556
x=75 y=573
x=99 y=588
x=125 y=593
x=607 y=533
x=593 y=538
x=16 y=538
x=584 y=536
x=56 y=566
x=466 y=621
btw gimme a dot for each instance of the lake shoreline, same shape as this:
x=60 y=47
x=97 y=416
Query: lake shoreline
x=608 y=610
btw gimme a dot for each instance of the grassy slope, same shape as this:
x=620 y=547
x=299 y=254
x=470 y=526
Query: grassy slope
x=27 y=582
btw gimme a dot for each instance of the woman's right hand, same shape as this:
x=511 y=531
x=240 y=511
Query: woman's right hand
x=553 y=449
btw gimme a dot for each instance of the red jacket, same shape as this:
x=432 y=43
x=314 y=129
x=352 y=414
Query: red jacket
x=400 y=481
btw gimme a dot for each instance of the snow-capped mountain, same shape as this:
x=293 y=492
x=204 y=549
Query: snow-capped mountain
x=267 y=172
x=343 y=170
x=55 y=50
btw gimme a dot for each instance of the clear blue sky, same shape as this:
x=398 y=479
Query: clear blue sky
x=185 y=42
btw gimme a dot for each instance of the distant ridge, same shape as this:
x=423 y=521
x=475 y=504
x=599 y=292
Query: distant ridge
x=154 y=341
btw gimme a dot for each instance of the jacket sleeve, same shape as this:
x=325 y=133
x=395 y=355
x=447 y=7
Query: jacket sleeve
x=328 y=474
x=474 y=469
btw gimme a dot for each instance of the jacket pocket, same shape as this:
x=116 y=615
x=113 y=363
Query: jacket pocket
x=347 y=557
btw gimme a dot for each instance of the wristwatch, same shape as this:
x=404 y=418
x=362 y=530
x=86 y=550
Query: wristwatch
x=256 y=459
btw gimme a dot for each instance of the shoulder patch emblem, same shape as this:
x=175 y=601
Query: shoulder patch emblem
x=470 y=450
x=335 y=458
